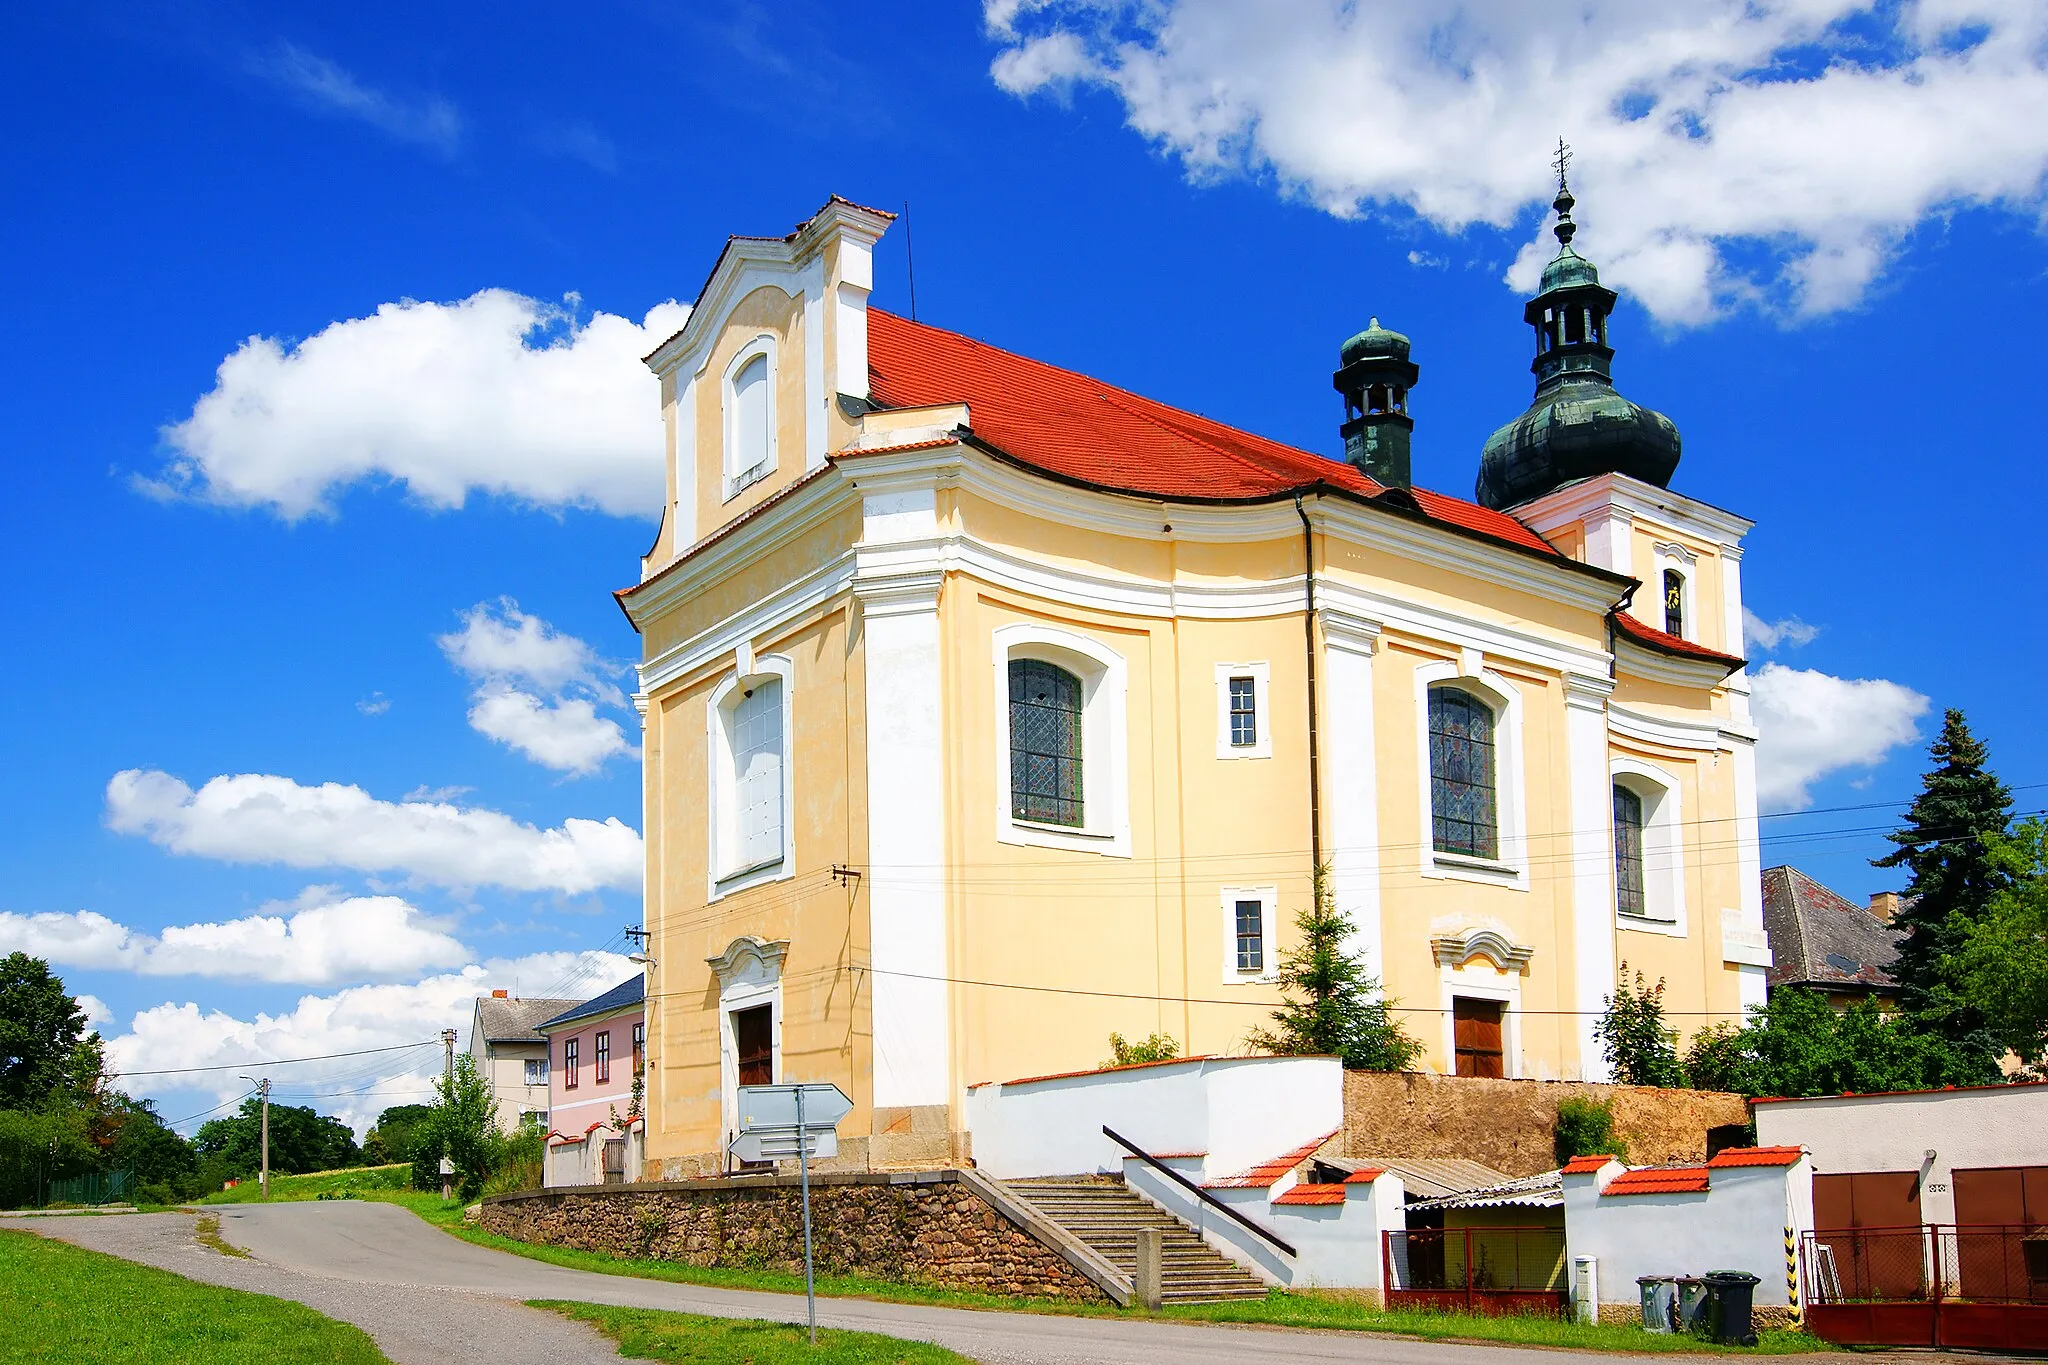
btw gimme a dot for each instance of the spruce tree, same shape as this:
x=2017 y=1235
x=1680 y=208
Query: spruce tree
x=1335 y=1008
x=1946 y=848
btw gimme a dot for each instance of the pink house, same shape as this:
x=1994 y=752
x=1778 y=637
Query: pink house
x=597 y=1052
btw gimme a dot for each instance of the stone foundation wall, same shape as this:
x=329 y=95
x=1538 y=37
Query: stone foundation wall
x=1511 y=1125
x=926 y=1228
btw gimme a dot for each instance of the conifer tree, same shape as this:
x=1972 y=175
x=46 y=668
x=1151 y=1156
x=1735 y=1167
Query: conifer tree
x=1946 y=848
x=1335 y=1008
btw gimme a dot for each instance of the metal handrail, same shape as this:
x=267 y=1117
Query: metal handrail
x=1192 y=1188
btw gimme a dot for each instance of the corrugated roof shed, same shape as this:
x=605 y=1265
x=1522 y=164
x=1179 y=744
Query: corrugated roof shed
x=1424 y=1177
x=1543 y=1191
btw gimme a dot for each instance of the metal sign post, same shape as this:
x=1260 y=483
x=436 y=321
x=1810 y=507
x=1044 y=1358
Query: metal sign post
x=781 y=1121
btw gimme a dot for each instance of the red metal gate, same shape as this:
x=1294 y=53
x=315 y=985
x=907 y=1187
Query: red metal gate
x=1476 y=1270
x=1980 y=1286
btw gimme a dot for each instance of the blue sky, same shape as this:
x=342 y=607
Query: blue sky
x=1826 y=228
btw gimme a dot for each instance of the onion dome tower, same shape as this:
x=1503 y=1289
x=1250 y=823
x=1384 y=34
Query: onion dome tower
x=1374 y=374
x=1578 y=426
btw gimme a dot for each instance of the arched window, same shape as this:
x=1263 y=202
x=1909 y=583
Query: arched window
x=1464 y=813
x=1630 y=894
x=755 y=730
x=750 y=423
x=1674 y=603
x=1045 y=743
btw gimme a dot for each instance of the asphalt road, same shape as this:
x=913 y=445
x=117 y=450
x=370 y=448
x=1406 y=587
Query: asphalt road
x=428 y=1298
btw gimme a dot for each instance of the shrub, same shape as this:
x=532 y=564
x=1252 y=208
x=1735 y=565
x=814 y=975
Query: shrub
x=1586 y=1128
x=1160 y=1047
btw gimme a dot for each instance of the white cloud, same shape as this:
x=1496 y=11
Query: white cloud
x=98 y=1014
x=1813 y=725
x=321 y=938
x=257 y=818
x=498 y=393
x=179 y=1036
x=1819 y=130
x=566 y=735
x=433 y=123
x=376 y=704
x=500 y=647
x=1768 y=635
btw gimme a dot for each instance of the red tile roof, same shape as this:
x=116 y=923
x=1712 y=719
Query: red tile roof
x=1081 y=430
x=1755 y=1156
x=1651 y=638
x=1365 y=1176
x=1585 y=1165
x=1659 y=1180
x=1268 y=1173
x=1313 y=1194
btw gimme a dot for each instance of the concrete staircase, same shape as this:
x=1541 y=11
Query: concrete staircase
x=1104 y=1214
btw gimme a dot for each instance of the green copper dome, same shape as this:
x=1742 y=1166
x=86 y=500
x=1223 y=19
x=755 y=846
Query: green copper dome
x=1375 y=340
x=1578 y=426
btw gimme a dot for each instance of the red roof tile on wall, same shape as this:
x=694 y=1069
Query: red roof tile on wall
x=1755 y=1156
x=1585 y=1165
x=1269 y=1172
x=1652 y=638
x=1313 y=1194
x=1681 y=1180
x=1364 y=1177
x=1082 y=430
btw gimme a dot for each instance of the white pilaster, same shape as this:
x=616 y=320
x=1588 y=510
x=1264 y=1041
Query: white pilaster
x=1749 y=864
x=685 y=510
x=899 y=597
x=816 y=418
x=1592 y=861
x=1351 y=775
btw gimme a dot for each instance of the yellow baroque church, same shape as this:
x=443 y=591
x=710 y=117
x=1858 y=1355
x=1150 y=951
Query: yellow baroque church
x=990 y=709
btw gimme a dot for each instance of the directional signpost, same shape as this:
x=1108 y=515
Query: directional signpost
x=778 y=1122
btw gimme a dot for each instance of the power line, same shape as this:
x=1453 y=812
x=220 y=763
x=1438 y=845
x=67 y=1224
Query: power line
x=277 y=1061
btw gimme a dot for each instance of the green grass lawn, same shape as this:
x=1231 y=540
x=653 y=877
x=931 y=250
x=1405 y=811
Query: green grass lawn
x=386 y=1184
x=648 y=1334
x=62 y=1303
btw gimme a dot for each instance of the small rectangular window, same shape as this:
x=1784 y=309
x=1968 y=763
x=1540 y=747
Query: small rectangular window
x=570 y=1080
x=1251 y=936
x=536 y=1071
x=639 y=1048
x=604 y=1056
x=1244 y=713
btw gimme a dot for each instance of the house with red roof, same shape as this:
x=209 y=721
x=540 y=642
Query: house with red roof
x=991 y=707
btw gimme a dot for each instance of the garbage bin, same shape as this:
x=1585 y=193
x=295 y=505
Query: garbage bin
x=1728 y=1303
x=1692 y=1303
x=1660 y=1302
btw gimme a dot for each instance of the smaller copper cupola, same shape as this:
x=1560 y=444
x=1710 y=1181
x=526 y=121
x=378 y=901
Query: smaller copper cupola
x=1374 y=374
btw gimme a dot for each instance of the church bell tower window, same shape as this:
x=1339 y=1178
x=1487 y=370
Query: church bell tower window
x=1674 y=603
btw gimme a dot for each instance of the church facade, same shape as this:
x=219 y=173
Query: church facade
x=990 y=709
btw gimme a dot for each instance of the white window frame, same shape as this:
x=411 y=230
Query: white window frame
x=736 y=479
x=1663 y=848
x=1262 y=717
x=1105 y=739
x=1673 y=556
x=531 y=1064
x=725 y=875
x=1511 y=868
x=1268 y=898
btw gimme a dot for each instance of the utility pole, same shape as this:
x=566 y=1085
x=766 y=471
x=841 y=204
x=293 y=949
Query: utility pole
x=448 y=1055
x=263 y=1087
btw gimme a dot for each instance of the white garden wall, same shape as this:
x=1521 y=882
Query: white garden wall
x=1336 y=1246
x=1239 y=1111
x=1737 y=1223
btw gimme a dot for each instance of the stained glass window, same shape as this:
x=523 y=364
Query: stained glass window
x=1629 y=896
x=1674 y=603
x=1045 y=743
x=1244 y=713
x=1461 y=775
x=1251 y=936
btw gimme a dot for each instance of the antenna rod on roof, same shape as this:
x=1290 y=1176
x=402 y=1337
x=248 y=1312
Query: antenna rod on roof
x=909 y=261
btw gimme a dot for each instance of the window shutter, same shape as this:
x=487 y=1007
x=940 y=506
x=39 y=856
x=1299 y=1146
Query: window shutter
x=757 y=770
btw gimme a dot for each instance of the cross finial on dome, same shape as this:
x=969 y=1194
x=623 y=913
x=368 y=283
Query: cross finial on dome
x=1561 y=163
